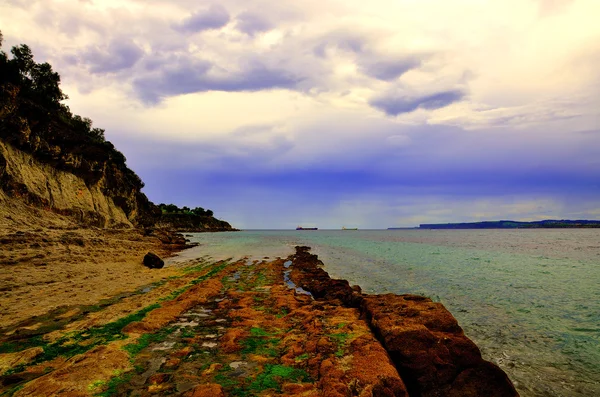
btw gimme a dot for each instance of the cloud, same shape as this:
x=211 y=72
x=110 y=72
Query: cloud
x=394 y=105
x=189 y=75
x=551 y=112
x=251 y=23
x=215 y=17
x=388 y=70
x=352 y=42
x=242 y=151
x=119 y=54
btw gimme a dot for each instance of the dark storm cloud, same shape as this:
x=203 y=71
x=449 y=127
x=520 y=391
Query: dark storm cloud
x=318 y=184
x=119 y=54
x=377 y=65
x=388 y=70
x=251 y=23
x=187 y=77
x=441 y=161
x=394 y=105
x=214 y=17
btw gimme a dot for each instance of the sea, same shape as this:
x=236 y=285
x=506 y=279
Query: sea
x=529 y=298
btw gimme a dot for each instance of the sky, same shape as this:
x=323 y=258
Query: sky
x=337 y=113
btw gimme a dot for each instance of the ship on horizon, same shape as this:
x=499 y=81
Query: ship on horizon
x=349 y=228
x=307 y=228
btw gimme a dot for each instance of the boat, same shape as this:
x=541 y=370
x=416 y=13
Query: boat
x=307 y=228
x=349 y=228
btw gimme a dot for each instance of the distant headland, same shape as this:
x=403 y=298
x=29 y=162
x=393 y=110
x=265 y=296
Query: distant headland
x=545 y=224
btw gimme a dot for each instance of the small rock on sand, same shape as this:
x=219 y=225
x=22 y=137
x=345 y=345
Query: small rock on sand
x=153 y=261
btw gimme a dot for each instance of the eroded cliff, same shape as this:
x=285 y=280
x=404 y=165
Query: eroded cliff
x=104 y=202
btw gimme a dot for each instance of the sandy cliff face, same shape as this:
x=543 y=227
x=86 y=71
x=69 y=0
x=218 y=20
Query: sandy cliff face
x=24 y=177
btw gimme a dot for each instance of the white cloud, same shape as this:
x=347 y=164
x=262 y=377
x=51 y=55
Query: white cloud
x=512 y=58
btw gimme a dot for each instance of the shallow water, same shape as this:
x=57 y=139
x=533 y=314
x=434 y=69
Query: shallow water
x=530 y=299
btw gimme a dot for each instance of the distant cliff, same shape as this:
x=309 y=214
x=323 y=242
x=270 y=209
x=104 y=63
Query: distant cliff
x=192 y=220
x=55 y=160
x=546 y=224
x=193 y=223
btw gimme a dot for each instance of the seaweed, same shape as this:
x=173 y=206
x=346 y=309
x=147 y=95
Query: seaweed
x=275 y=374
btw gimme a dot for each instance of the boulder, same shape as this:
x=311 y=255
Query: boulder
x=153 y=261
x=308 y=274
x=430 y=349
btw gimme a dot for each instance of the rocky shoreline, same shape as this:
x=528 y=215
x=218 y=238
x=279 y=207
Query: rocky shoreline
x=245 y=328
x=424 y=341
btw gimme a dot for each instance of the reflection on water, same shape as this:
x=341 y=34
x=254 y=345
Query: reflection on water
x=528 y=298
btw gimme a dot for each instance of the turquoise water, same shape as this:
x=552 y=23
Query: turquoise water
x=530 y=299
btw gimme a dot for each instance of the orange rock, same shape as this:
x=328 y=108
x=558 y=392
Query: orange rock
x=325 y=346
x=373 y=371
x=259 y=359
x=429 y=347
x=332 y=380
x=172 y=363
x=230 y=341
x=303 y=389
x=183 y=352
x=171 y=310
x=76 y=374
x=158 y=379
x=213 y=367
x=207 y=390
x=9 y=360
x=159 y=388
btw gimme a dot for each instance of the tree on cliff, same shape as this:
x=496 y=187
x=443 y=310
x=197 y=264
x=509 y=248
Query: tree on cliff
x=202 y=212
x=39 y=85
x=173 y=209
x=36 y=95
x=31 y=106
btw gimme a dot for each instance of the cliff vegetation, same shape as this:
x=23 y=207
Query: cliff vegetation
x=193 y=220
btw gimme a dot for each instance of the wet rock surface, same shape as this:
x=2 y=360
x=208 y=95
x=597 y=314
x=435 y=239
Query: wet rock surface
x=430 y=350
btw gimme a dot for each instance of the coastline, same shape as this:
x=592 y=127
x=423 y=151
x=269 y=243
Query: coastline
x=247 y=318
